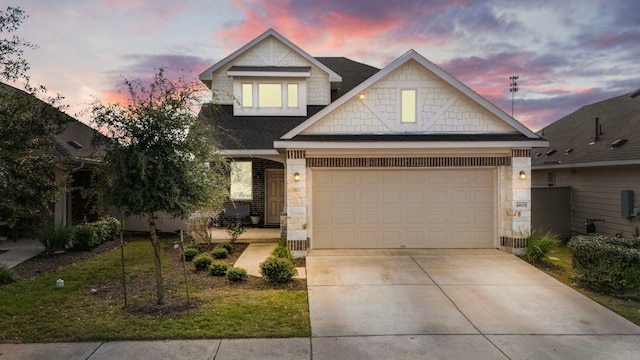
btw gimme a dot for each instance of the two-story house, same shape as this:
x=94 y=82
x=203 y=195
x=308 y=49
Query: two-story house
x=358 y=157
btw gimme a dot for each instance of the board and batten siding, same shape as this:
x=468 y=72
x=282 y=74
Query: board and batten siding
x=595 y=194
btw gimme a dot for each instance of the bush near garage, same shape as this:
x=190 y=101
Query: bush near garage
x=282 y=250
x=539 y=244
x=278 y=270
x=606 y=263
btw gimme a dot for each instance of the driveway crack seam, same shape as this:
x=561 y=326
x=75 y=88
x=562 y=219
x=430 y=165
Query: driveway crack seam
x=457 y=308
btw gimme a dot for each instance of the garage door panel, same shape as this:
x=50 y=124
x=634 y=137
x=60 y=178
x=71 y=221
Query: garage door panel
x=424 y=208
x=391 y=218
x=391 y=238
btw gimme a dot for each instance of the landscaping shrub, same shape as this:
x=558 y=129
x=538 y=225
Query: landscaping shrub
x=218 y=268
x=110 y=227
x=282 y=251
x=606 y=262
x=220 y=252
x=189 y=253
x=278 y=270
x=56 y=238
x=236 y=274
x=227 y=246
x=235 y=229
x=85 y=237
x=202 y=262
x=6 y=275
x=539 y=244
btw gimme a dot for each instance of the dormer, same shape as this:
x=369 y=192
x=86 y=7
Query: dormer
x=270 y=90
x=270 y=76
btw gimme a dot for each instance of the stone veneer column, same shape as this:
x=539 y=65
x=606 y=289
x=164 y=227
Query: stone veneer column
x=296 y=200
x=515 y=201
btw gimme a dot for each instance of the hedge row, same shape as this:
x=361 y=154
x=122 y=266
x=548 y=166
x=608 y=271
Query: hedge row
x=605 y=262
x=85 y=236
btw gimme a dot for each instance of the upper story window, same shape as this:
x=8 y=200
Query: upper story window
x=408 y=105
x=270 y=91
x=269 y=95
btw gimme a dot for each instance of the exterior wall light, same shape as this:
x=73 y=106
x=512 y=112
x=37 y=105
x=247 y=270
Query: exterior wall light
x=296 y=177
x=361 y=96
x=523 y=175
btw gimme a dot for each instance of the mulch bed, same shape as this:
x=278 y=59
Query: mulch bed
x=142 y=290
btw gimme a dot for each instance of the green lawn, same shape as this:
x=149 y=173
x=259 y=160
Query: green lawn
x=35 y=311
x=558 y=265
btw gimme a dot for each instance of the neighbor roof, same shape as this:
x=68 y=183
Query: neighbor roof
x=572 y=137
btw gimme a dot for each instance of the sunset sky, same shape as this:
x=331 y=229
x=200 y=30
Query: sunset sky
x=567 y=53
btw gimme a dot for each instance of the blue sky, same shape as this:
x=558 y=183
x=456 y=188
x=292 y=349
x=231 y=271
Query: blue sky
x=567 y=53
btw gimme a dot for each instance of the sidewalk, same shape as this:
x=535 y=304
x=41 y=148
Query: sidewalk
x=285 y=349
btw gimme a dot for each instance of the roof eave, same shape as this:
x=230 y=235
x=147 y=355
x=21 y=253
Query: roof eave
x=586 y=164
x=283 y=144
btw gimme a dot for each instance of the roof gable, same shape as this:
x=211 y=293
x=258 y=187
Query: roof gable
x=207 y=75
x=410 y=70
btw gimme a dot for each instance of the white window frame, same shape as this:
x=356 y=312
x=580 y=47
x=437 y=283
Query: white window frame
x=288 y=107
x=413 y=118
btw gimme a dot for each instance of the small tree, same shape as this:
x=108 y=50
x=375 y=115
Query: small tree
x=28 y=126
x=160 y=157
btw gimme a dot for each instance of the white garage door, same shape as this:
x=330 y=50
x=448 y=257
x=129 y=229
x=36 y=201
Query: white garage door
x=413 y=208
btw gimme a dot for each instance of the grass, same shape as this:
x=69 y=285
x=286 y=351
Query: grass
x=35 y=311
x=558 y=265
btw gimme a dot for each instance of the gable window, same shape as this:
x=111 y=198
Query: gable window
x=408 y=105
x=292 y=95
x=269 y=95
x=241 y=182
x=247 y=95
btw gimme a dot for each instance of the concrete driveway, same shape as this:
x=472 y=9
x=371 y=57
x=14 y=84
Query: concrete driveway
x=454 y=304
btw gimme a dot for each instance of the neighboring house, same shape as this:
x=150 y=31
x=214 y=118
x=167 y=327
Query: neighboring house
x=74 y=152
x=593 y=162
x=357 y=157
x=73 y=147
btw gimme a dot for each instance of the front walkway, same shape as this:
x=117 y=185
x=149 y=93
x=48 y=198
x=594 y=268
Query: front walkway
x=19 y=251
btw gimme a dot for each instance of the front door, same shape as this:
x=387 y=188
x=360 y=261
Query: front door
x=274 y=196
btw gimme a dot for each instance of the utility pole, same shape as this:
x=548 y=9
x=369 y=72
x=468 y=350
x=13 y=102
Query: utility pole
x=513 y=88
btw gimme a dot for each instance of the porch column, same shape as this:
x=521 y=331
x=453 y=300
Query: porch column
x=296 y=200
x=516 y=201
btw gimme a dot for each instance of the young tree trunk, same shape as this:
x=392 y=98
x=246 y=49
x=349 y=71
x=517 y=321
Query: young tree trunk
x=156 y=256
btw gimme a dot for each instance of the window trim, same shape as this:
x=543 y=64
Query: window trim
x=235 y=166
x=414 y=114
x=295 y=107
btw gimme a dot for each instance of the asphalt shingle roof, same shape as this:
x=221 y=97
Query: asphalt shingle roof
x=619 y=118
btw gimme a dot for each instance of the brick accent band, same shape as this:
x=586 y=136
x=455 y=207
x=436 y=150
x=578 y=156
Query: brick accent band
x=296 y=154
x=521 y=153
x=298 y=244
x=514 y=243
x=412 y=162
